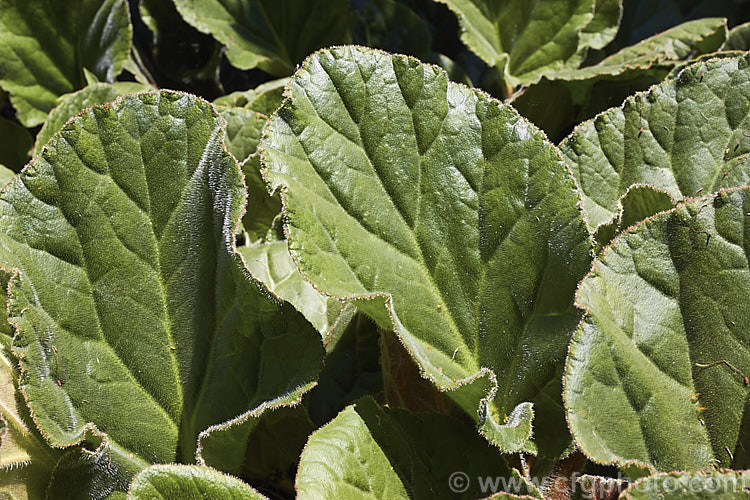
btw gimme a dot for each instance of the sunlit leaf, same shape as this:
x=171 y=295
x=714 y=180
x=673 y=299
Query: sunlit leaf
x=442 y=213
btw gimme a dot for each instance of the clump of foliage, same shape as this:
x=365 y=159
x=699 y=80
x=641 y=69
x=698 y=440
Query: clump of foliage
x=374 y=248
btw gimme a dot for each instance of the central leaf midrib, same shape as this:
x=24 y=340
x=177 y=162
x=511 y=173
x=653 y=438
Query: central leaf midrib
x=84 y=266
x=159 y=271
x=280 y=45
x=419 y=259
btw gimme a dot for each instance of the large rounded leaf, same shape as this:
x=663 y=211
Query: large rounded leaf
x=683 y=136
x=562 y=100
x=657 y=371
x=443 y=204
x=70 y=105
x=47 y=46
x=135 y=316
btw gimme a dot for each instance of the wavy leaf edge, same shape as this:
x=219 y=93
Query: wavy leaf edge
x=622 y=464
x=515 y=419
x=90 y=429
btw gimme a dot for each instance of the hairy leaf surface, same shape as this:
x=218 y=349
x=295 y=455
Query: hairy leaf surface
x=70 y=105
x=243 y=131
x=656 y=371
x=403 y=188
x=684 y=136
x=135 y=316
x=188 y=481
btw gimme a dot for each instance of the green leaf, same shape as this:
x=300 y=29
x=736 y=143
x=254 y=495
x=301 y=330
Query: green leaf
x=264 y=208
x=603 y=27
x=270 y=34
x=371 y=452
x=15 y=145
x=6 y=175
x=26 y=462
x=557 y=106
x=555 y=443
x=455 y=72
x=677 y=68
x=665 y=299
x=738 y=38
x=642 y=18
x=70 y=105
x=563 y=99
x=6 y=330
x=693 y=37
x=270 y=263
x=135 y=316
x=14 y=433
x=391 y=26
x=442 y=214
x=274 y=447
x=51 y=46
x=264 y=98
x=93 y=473
x=683 y=136
x=690 y=485
x=639 y=203
x=243 y=131
x=528 y=39
x=23 y=483
x=188 y=481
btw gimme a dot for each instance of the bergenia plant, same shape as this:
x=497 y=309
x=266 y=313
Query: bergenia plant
x=374 y=249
